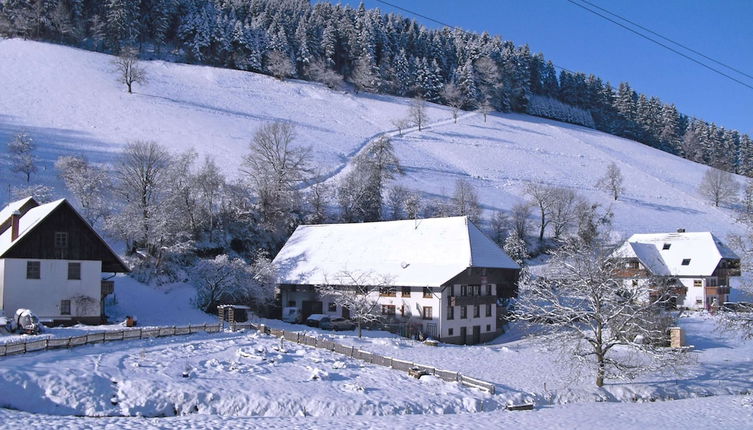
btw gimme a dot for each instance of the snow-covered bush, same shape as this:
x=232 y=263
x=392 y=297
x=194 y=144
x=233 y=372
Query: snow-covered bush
x=225 y=280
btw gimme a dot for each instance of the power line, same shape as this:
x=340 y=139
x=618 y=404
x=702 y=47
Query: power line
x=700 y=63
x=668 y=39
x=445 y=24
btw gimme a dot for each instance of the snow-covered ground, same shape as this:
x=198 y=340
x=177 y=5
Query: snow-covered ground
x=70 y=103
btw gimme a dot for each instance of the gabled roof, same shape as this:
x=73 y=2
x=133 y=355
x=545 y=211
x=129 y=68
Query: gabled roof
x=424 y=252
x=702 y=252
x=12 y=207
x=35 y=216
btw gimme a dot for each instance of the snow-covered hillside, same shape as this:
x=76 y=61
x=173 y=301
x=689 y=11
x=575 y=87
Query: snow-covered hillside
x=70 y=103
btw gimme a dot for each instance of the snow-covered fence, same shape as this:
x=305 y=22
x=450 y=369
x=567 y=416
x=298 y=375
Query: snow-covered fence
x=21 y=347
x=370 y=357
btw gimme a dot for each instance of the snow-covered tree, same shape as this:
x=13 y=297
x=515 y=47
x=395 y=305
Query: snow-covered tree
x=453 y=98
x=516 y=248
x=129 y=69
x=499 y=226
x=719 y=187
x=562 y=211
x=224 y=280
x=22 y=155
x=90 y=185
x=612 y=180
x=417 y=112
x=583 y=304
x=397 y=198
x=319 y=72
x=40 y=193
x=358 y=292
x=542 y=197
x=279 y=65
x=519 y=219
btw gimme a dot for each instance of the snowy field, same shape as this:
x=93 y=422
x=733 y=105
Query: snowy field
x=69 y=102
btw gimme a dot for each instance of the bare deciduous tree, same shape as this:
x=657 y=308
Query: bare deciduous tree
x=611 y=182
x=719 y=186
x=562 y=211
x=584 y=305
x=500 y=226
x=22 y=156
x=396 y=202
x=358 y=292
x=275 y=168
x=319 y=72
x=485 y=109
x=454 y=98
x=401 y=124
x=519 y=217
x=417 y=112
x=465 y=199
x=129 y=68
x=226 y=280
x=542 y=196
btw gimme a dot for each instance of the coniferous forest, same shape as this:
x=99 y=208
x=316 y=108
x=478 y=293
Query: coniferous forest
x=374 y=52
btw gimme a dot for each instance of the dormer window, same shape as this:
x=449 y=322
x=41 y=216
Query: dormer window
x=666 y=246
x=686 y=262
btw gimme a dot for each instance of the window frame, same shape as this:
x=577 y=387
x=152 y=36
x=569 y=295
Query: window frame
x=426 y=313
x=72 y=264
x=464 y=312
x=60 y=240
x=428 y=293
x=405 y=291
x=387 y=292
x=331 y=307
x=488 y=309
x=450 y=312
x=476 y=311
x=389 y=310
x=33 y=267
x=685 y=262
x=65 y=304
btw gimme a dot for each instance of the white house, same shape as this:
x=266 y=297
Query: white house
x=52 y=262
x=699 y=264
x=445 y=276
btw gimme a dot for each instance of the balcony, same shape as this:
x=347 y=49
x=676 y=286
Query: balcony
x=472 y=300
x=717 y=291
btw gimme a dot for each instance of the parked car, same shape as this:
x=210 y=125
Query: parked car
x=336 y=324
x=291 y=315
x=314 y=320
x=737 y=307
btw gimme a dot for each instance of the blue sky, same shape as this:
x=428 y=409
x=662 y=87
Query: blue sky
x=580 y=41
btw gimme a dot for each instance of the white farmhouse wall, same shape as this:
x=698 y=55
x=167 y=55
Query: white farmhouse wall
x=43 y=295
x=2 y=285
x=452 y=328
x=694 y=294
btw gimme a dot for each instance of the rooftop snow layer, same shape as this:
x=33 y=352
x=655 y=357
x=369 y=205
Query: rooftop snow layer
x=411 y=253
x=27 y=222
x=664 y=253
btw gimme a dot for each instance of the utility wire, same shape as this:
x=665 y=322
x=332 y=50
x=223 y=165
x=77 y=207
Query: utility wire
x=700 y=63
x=668 y=39
x=445 y=24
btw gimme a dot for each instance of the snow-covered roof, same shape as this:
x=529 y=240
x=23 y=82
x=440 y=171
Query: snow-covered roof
x=27 y=222
x=424 y=252
x=664 y=253
x=12 y=207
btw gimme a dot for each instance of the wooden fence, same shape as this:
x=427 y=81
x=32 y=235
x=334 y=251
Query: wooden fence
x=370 y=357
x=50 y=343
x=21 y=347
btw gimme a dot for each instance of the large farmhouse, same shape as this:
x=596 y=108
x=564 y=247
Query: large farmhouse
x=445 y=276
x=699 y=265
x=52 y=261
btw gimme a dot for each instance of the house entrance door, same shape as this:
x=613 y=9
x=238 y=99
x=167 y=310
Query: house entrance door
x=310 y=307
x=476 y=334
x=463 y=335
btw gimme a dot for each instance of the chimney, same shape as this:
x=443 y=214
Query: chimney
x=681 y=230
x=14 y=221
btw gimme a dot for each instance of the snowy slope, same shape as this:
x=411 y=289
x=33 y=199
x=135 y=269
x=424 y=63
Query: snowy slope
x=70 y=103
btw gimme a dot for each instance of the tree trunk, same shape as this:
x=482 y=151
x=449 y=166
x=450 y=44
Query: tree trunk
x=543 y=225
x=359 y=328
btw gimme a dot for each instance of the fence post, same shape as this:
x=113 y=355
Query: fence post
x=352 y=349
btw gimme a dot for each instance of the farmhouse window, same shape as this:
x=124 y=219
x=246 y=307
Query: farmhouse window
x=631 y=265
x=488 y=309
x=427 y=293
x=450 y=331
x=463 y=290
x=666 y=246
x=405 y=291
x=699 y=301
x=291 y=303
x=426 y=312
x=451 y=312
x=65 y=307
x=387 y=291
x=476 y=311
x=332 y=307
x=33 y=269
x=463 y=312
x=488 y=290
x=388 y=309
x=686 y=262
x=74 y=271
x=488 y=327
x=61 y=239
x=475 y=290
x=697 y=283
